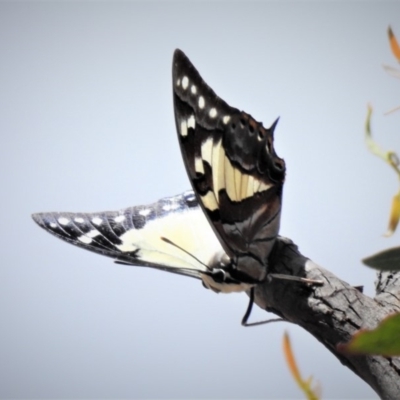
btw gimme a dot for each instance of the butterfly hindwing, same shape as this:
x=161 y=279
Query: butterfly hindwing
x=233 y=168
x=171 y=234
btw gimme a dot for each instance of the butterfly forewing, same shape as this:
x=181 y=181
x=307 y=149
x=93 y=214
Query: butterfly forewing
x=171 y=234
x=234 y=170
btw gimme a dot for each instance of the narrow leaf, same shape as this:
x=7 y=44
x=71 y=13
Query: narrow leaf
x=391 y=158
x=305 y=385
x=387 y=260
x=371 y=144
x=394 y=45
x=392 y=71
x=383 y=340
x=394 y=215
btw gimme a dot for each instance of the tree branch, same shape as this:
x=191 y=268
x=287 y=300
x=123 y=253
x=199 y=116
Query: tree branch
x=333 y=312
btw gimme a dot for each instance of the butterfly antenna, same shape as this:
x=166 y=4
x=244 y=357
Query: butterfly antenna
x=185 y=251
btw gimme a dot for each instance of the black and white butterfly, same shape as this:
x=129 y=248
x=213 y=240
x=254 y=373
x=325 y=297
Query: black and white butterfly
x=223 y=231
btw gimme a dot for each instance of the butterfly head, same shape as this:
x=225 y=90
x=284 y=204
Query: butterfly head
x=224 y=277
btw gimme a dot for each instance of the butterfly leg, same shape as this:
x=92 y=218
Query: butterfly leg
x=248 y=312
x=276 y=276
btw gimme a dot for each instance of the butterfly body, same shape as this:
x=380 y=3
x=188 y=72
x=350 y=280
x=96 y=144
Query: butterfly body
x=223 y=231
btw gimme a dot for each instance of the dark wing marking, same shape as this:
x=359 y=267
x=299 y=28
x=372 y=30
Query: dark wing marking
x=232 y=165
x=152 y=235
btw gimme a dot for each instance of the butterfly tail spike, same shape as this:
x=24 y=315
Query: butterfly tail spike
x=273 y=126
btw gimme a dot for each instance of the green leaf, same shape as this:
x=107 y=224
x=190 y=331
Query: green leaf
x=383 y=340
x=386 y=260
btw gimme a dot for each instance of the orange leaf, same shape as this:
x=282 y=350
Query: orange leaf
x=394 y=45
x=394 y=215
x=305 y=385
x=287 y=349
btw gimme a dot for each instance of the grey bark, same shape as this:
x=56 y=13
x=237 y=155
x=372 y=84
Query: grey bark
x=333 y=312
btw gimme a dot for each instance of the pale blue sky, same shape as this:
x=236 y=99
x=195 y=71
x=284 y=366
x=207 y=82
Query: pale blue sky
x=87 y=124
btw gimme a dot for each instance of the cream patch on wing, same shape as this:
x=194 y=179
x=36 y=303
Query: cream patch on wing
x=238 y=185
x=206 y=150
x=244 y=186
x=229 y=179
x=218 y=168
x=188 y=229
x=210 y=153
x=250 y=186
x=209 y=201
x=238 y=181
x=198 y=165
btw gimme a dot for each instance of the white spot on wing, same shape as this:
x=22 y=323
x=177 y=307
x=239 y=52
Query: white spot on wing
x=93 y=233
x=184 y=128
x=53 y=225
x=178 y=82
x=88 y=237
x=202 y=103
x=185 y=82
x=85 y=239
x=226 y=119
x=212 y=113
x=193 y=89
x=63 y=221
x=191 y=122
x=97 y=221
x=145 y=212
x=171 y=206
x=79 y=220
x=120 y=218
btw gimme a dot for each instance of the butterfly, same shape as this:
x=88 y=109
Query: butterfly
x=222 y=232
